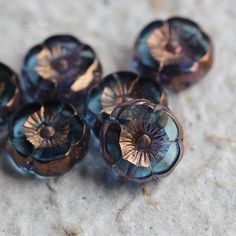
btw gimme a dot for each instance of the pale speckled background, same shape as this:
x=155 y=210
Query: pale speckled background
x=199 y=198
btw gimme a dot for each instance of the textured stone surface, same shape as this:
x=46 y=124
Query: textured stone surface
x=198 y=198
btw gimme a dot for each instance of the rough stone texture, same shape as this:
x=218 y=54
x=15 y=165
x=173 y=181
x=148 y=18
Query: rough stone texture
x=199 y=198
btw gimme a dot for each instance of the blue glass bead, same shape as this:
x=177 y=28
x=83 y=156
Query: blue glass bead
x=47 y=138
x=9 y=93
x=176 y=52
x=115 y=89
x=142 y=141
x=60 y=68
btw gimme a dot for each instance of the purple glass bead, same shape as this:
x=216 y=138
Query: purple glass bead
x=175 y=51
x=60 y=68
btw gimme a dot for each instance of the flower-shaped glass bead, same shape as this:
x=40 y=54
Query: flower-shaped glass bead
x=115 y=89
x=9 y=93
x=60 y=68
x=47 y=138
x=142 y=141
x=176 y=50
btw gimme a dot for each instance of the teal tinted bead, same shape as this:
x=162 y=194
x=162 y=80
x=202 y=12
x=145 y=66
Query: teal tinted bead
x=142 y=141
x=115 y=89
x=47 y=138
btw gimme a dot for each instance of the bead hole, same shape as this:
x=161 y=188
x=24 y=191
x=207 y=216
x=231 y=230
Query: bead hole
x=143 y=142
x=47 y=132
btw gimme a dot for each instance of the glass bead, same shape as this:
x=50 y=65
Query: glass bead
x=47 y=138
x=176 y=52
x=60 y=68
x=142 y=141
x=115 y=89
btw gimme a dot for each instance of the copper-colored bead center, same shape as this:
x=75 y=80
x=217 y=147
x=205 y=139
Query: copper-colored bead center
x=47 y=132
x=143 y=142
x=170 y=48
x=173 y=48
x=61 y=64
x=120 y=100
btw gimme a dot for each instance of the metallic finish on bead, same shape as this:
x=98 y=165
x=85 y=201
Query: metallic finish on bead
x=176 y=50
x=60 y=68
x=115 y=89
x=48 y=139
x=41 y=135
x=142 y=141
x=9 y=93
x=139 y=142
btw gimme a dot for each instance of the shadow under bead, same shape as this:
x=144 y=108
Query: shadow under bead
x=48 y=139
x=142 y=141
x=115 y=89
x=60 y=68
x=175 y=50
x=9 y=96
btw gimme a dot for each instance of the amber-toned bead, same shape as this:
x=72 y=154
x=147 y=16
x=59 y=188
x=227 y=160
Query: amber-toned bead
x=142 y=141
x=175 y=51
x=47 y=138
x=60 y=68
x=115 y=89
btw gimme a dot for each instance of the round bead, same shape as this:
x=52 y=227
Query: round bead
x=142 y=141
x=47 y=138
x=176 y=50
x=115 y=89
x=60 y=68
x=9 y=93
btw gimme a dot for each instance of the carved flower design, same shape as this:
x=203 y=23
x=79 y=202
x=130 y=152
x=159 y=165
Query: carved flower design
x=142 y=141
x=51 y=62
x=47 y=138
x=165 y=45
x=119 y=93
x=47 y=129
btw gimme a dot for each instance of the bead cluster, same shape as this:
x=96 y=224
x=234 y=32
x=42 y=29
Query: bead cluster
x=140 y=137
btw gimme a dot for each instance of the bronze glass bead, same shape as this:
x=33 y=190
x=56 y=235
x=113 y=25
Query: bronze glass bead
x=60 y=68
x=47 y=138
x=176 y=50
x=115 y=89
x=142 y=141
